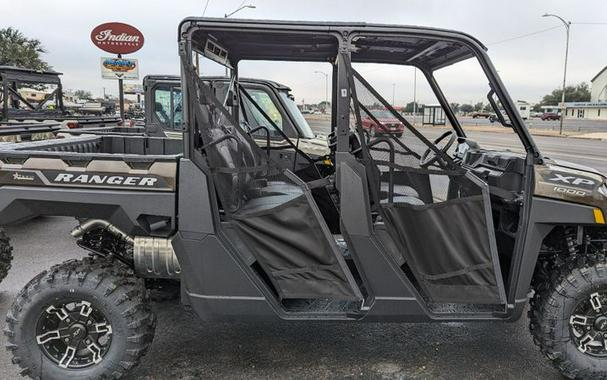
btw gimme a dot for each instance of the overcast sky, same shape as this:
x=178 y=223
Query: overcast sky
x=530 y=66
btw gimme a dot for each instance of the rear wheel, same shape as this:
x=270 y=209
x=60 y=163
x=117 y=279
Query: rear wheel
x=6 y=255
x=83 y=319
x=568 y=317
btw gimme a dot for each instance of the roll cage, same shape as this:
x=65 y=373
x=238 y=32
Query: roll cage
x=215 y=143
x=10 y=79
x=428 y=49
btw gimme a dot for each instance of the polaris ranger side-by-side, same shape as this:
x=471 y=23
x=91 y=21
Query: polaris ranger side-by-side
x=397 y=229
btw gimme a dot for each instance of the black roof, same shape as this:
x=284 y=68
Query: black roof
x=424 y=47
x=20 y=74
x=25 y=70
x=176 y=78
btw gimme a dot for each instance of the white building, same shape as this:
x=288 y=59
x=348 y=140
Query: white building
x=596 y=108
x=599 y=87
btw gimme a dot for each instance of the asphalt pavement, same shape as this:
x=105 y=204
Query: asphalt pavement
x=587 y=152
x=186 y=348
x=569 y=125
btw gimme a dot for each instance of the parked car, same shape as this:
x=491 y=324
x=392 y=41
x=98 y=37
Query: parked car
x=388 y=124
x=550 y=116
x=478 y=114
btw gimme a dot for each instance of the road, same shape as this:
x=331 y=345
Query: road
x=186 y=348
x=585 y=152
x=569 y=125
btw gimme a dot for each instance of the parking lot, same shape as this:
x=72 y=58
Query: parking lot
x=185 y=348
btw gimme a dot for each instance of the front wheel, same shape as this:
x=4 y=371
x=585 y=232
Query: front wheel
x=83 y=319
x=568 y=317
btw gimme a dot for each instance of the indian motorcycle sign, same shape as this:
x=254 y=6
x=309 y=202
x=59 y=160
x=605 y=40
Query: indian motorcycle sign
x=117 y=38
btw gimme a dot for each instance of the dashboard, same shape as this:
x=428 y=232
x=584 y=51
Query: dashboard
x=504 y=170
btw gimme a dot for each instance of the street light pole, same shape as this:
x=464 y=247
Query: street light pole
x=326 y=86
x=393 y=92
x=239 y=9
x=233 y=13
x=567 y=27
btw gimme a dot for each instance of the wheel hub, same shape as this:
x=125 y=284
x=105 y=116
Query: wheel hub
x=600 y=323
x=588 y=325
x=74 y=334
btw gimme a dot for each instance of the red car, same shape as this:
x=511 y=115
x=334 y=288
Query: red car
x=388 y=124
x=550 y=116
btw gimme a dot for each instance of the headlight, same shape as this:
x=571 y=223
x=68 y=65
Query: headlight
x=603 y=189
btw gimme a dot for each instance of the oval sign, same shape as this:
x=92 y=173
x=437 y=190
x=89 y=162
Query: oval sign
x=117 y=38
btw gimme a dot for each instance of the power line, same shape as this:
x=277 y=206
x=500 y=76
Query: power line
x=525 y=35
x=205 y=8
x=543 y=31
x=590 y=23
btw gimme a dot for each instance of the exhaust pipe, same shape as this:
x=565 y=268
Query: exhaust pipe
x=80 y=230
x=152 y=257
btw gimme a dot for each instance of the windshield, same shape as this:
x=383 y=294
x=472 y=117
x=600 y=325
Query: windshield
x=382 y=114
x=168 y=107
x=300 y=121
x=476 y=107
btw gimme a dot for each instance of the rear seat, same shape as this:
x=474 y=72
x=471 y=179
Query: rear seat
x=402 y=194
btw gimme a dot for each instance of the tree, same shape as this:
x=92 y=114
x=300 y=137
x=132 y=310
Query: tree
x=488 y=107
x=455 y=107
x=83 y=94
x=577 y=93
x=466 y=108
x=479 y=106
x=18 y=50
x=410 y=107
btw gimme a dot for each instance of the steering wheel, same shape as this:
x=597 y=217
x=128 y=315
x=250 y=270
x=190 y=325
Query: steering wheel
x=430 y=156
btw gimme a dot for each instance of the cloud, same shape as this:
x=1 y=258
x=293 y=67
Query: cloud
x=530 y=66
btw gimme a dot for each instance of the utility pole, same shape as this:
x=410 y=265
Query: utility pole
x=121 y=96
x=326 y=86
x=562 y=107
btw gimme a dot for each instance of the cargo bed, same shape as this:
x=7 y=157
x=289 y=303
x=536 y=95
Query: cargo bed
x=128 y=180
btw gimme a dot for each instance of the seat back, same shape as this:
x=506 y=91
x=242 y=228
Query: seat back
x=237 y=163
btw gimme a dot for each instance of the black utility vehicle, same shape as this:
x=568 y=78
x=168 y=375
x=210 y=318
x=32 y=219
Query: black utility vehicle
x=397 y=229
x=46 y=101
x=266 y=106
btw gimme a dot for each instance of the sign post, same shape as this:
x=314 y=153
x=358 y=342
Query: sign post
x=118 y=38
x=121 y=95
